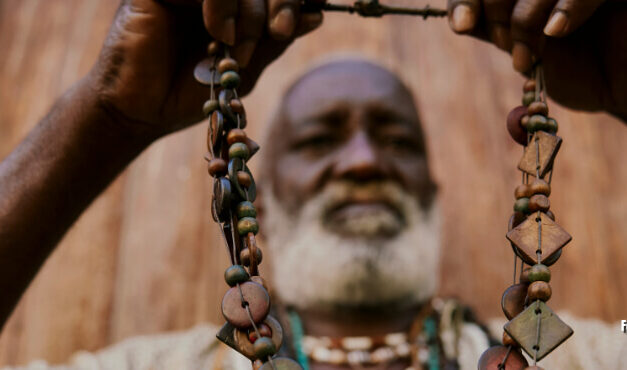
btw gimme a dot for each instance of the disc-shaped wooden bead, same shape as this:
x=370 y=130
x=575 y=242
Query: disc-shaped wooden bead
x=513 y=300
x=493 y=356
x=258 y=301
x=515 y=129
x=282 y=363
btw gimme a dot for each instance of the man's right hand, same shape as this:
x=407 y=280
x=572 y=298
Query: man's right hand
x=144 y=75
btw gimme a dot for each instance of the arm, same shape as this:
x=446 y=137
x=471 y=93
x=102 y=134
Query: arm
x=140 y=89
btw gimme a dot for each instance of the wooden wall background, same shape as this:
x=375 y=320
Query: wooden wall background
x=145 y=258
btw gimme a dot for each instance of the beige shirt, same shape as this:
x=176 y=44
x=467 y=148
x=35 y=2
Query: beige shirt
x=594 y=346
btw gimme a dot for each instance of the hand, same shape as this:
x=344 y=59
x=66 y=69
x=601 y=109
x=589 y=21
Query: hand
x=581 y=43
x=144 y=75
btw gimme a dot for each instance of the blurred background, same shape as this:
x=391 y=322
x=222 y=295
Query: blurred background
x=146 y=257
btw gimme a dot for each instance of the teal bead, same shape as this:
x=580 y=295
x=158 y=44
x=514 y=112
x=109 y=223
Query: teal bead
x=246 y=209
x=247 y=225
x=521 y=205
x=263 y=348
x=210 y=106
x=236 y=274
x=239 y=150
x=230 y=80
x=551 y=125
x=539 y=272
x=528 y=98
x=536 y=123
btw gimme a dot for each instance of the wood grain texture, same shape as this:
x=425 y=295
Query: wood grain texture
x=147 y=258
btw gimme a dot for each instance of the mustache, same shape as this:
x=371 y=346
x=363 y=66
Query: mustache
x=339 y=194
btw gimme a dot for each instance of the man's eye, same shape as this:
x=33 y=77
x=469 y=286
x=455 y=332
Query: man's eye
x=319 y=142
x=401 y=144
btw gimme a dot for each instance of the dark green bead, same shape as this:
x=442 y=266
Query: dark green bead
x=263 y=348
x=551 y=125
x=236 y=274
x=528 y=98
x=539 y=272
x=239 y=150
x=229 y=80
x=536 y=123
x=246 y=209
x=210 y=106
x=521 y=205
x=247 y=225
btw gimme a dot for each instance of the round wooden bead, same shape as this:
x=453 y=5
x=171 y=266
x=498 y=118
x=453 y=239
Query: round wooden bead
x=228 y=64
x=244 y=179
x=244 y=256
x=230 y=80
x=514 y=127
x=257 y=299
x=210 y=106
x=529 y=86
x=259 y=280
x=217 y=167
x=281 y=363
x=213 y=48
x=528 y=98
x=236 y=135
x=264 y=348
x=538 y=107
x=235 y=274
x=536 y=123
x=521 y=205
x=539 y=272
x=246 y=209
x=539 y=290
x=524 y=275
x=539 y=202
x=523 y=191
x=239 y=150
x=513 y=300
x=524 y=121
x=264 y=330
x=516 y=219
x=237 y=106
x=493 y=356
x=247 y=225
x=245 y=339
x=551 y=125
x=508 y=341
x=540 y=186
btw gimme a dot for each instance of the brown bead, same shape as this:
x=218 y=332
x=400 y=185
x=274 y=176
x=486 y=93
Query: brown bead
x=493 y=356
x=237 y=106
x=524 y=275
x=213 y=48
x=264 y=330
x=516 y=219
x=228 y=64
x=514 y=127
x=508 y=341
x=540 y=186
x=217 y=167
x=259 y=280
x=539 y=290
x=245 y=256
x=257 y=299
x=523 y=191
x=538 y=107
x=539 y=202
x=244 y=179
x=236 y=135
x=524 y=121
x=513 y=300
x=530 y=85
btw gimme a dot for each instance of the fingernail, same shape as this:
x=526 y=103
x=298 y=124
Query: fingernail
x=501 y=38
x=228 y=31
x=283 y=23
x=521 y=57
x=556 y=24
x=244 y=52
x=463 y=18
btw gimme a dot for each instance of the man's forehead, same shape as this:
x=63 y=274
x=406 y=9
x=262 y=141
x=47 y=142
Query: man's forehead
x=347 y=82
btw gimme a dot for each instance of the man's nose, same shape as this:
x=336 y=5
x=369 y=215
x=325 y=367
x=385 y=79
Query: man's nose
x=359 y=160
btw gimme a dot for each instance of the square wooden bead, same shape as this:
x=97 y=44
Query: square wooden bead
x=525 y=237
x=548 y=146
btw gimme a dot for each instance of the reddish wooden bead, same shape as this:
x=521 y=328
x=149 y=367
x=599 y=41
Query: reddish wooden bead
x=538 y=107
x=244 y=179
x=228 y=64
x=236 y=135
x=523 y=191
x=264 y=330
x=539 y=290
x=217 y=167
x=513 y=300
x=514 y=127
x=492 y=358
x=540 y=186
x=245 y=256
x=530 y=85
x=236 y=106
x=259 y=280
x=539 y=202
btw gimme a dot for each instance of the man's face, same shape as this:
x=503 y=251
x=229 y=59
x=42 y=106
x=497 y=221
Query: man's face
x=350 y=204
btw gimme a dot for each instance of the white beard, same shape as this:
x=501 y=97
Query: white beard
x=318 y=269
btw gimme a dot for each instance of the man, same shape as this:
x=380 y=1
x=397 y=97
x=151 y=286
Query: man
x=366 y=189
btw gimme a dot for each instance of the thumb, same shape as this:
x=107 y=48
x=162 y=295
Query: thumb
x=569 y=15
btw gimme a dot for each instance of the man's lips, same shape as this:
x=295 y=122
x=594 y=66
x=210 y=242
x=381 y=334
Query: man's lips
x=360 y=208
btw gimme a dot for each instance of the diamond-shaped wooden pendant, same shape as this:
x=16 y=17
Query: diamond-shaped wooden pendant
x=523 y=329
x=548 y=146
x=226 y=336
x=525 y=238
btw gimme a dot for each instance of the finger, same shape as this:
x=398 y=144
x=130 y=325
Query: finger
x=463 y=15
x=282 y=18
x=219 y=17
x=568 y=15
x=497 y=14
x=250 y=26
x=528 y=20
x=308 y=22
